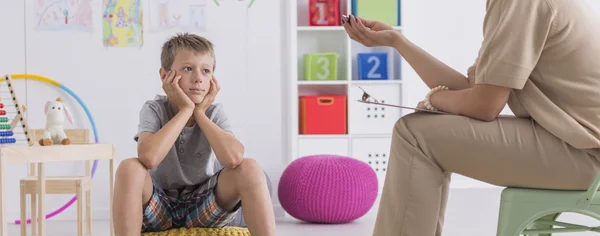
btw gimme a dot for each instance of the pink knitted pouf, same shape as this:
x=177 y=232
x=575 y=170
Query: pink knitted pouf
x=327 y=189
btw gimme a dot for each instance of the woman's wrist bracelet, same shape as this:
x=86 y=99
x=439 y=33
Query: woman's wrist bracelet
x=427 y=102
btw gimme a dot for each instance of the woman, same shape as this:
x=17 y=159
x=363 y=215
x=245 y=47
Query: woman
x=542 y=57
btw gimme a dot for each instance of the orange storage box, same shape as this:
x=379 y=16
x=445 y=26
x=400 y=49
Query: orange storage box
x=323 y=114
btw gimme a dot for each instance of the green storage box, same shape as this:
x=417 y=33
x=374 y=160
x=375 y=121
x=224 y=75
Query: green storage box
x=386 y=11
x=321 y=66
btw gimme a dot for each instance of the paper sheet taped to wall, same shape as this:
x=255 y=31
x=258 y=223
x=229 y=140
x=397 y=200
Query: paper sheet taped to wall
x=189 y=15
x=73 y=15
x=122 y=23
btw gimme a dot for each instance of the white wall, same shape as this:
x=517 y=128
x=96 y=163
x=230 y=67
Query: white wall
x=452 y=32
x=115 y=82
x=449 y=30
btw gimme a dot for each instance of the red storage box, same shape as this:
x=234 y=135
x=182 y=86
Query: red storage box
x=324 y=12
x=323 y=115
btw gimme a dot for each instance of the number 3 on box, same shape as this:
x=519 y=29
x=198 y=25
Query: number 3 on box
x=325 y=67
x=321 y=66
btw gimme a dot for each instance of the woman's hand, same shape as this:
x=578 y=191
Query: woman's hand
x=370 y=33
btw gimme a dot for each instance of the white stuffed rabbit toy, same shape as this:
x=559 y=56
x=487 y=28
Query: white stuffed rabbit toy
x=55 y=117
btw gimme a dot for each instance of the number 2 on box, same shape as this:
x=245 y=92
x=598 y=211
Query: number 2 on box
x=372 y=73
x=325 y=67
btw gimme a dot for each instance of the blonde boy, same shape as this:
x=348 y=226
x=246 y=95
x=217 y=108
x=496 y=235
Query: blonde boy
x=190 y=170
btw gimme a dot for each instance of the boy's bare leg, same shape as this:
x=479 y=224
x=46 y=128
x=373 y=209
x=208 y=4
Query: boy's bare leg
x=247 y=183
x=133 y=189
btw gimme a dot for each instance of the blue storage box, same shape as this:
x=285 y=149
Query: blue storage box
x=373 y=66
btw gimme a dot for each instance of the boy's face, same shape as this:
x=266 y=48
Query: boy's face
x=196 y=72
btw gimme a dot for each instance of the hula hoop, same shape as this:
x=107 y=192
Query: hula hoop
x=70 y=92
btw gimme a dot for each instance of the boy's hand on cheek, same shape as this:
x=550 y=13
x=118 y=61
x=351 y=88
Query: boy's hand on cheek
x=175 y=93
x=210 y=96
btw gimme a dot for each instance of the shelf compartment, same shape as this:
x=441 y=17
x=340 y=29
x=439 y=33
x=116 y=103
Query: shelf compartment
x=375 y=152
x=322 y=89
x=374 y=119
x=325 y=42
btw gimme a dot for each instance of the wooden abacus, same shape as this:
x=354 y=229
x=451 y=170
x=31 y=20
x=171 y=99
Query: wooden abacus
x=7 y=130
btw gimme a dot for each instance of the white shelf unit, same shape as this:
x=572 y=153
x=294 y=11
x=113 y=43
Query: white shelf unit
x=369 y=127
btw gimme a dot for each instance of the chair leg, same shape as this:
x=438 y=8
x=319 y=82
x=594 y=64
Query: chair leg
x=23 y=210
x=536 y=225
x=33 y=198
x=88 y=211
x=514 y=217
x=79 y=209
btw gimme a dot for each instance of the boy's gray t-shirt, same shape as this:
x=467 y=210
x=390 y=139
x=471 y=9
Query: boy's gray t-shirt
x=191 y=160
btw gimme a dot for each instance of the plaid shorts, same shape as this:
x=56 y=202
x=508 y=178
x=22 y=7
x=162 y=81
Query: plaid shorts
x=198 y=209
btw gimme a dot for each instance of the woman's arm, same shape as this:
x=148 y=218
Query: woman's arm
x=431 y=70
x=483 y=101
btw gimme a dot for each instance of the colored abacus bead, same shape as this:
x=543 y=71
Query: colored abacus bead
x=1 y=105
x=4 y=126
x=6 y=133
x=2 y=112
x=3 y=119
x=7 y=140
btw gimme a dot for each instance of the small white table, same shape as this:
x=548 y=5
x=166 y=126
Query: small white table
x=24 y=154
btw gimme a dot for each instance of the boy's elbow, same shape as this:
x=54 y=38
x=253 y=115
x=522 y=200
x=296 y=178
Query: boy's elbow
x=234 y=161
x=148 y=161
x=237 y=157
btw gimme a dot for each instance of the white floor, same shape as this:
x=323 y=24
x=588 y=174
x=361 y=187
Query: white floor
x=462 y=218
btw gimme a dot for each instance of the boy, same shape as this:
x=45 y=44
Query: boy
x=176 y=181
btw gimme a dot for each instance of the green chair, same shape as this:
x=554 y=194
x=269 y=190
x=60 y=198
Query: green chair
x=534 y=211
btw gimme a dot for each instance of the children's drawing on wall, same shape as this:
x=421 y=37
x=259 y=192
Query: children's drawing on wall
x=189 y=15
x=122 y=23
x=198 y=17
x=64 y=15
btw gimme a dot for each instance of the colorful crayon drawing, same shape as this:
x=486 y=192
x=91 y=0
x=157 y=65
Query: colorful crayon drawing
x=122 y=23
x=177 y=15
x=64 y=15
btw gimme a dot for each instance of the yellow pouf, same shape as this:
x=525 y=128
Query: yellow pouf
x=226 y=231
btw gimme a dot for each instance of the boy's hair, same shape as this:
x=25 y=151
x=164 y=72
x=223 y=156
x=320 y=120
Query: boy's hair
x=184 y=41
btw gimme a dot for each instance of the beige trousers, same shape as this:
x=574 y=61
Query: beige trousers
x=427 y=148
